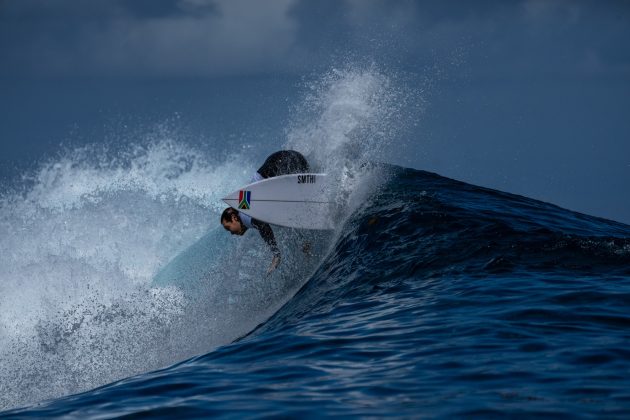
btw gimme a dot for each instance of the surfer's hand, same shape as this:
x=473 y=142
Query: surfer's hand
x=274 y=263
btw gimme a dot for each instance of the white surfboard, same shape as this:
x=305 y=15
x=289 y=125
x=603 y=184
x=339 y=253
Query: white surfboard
x=297 y=201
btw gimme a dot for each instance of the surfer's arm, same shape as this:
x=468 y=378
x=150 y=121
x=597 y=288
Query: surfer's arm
x=267 y=234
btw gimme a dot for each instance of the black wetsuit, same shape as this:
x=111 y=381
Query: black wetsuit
x=279 y=163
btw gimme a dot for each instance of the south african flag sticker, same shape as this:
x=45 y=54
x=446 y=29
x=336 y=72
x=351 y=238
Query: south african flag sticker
x=244 y=198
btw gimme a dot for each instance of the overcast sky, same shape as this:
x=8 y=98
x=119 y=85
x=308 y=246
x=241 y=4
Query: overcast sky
x=528 y=96
x=182 y=38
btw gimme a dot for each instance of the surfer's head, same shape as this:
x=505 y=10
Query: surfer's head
x=231 y=221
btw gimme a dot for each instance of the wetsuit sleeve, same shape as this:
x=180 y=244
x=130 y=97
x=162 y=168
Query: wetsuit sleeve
x=267 y=234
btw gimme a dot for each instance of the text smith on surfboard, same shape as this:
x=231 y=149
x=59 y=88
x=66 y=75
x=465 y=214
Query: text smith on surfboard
x=284 y=162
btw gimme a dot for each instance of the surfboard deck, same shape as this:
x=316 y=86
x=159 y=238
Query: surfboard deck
x=297 y=201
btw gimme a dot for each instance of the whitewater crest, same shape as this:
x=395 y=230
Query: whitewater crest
x=79 y=249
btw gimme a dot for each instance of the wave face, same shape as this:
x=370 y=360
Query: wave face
x=437 y=298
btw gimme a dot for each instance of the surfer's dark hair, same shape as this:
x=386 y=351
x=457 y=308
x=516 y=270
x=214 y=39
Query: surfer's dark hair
x=227 y=214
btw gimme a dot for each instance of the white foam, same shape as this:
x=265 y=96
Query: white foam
x=79 y=250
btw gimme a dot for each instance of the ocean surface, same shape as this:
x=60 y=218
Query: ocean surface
x=438 y=298
x=433 y=298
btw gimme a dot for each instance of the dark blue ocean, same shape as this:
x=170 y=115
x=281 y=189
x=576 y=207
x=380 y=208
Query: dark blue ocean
x=433 y=298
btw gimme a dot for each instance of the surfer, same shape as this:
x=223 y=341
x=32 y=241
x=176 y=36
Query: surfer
x=279 y=163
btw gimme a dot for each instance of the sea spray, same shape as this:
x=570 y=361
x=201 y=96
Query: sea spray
x=349 y=119
x=79 y=249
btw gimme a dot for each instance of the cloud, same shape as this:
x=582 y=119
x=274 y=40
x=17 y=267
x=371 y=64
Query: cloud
x=206 y=38
x=235 y=38
x=175 y=38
